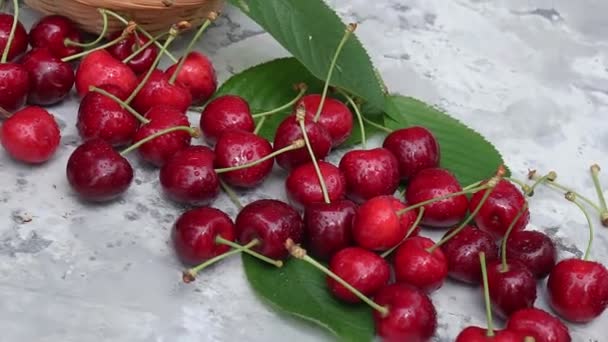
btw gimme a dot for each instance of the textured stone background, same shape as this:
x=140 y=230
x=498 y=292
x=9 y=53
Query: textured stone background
x=530 y=75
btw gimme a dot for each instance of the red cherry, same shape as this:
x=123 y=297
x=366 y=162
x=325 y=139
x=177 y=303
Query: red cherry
x=188 y=177
x=415 y=265
x=223 y=114
x=99 y=68
x=534 y=249
x=477 y=334
x=195 y=231
x=370 y=173
x=500 y=209
x=289 y=131
x=14 y=86
x=578 y=289
x=159 y=150
x=97 y=172
x=510 y=290
x=415 y=148
x=272 y=222
x=51 y=31
x=327 y=227
x=31 y=135
x=377 y=226
x=126 y=47
x=51 y=79
x=412 y=316
x=539 y=324
x=364 y=270
x=303 y=187
x=20 y=40
x=157 y=91
x=462 y=252
x=235 y=148
x=197 y=75
x=335 y=116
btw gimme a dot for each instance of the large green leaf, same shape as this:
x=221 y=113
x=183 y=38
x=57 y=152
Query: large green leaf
x=311 y=31
x=463 y=151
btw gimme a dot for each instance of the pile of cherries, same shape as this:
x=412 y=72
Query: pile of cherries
x=348 y=216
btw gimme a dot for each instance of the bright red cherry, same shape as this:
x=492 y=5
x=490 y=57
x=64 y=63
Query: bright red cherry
x=51 y=32
x=126 y=47
x=289 y=131
x=540 y=325
x=14 y=86
x=157 y=91
x=415 y=265
x=20 y=40
x=303 y=187
x=223 y=114
x=511 y=289
x=51 y=79
x=99 y=68
x=478 y=334
x=534 y=249
x=335 y=116
x=328 y=227
x=197 y=75
x=370 y=173
x=416 y=149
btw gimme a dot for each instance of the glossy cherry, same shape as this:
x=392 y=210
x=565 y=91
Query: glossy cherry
x=51 y=32
x=500 y=209
x=416 y=149
x=328 y=227
x=126 y=47
x=412 y=316
x=415 y=265
x=272 y=222
x=478 y=334
x=432 y=183
x=157 y=91
x=223 y=114
x=14 y=86
x=578 y=289
x=20 y=39
x=195 y=231
x=462 y=252
x=197 y=75
x=96 y=172
x=51 y=79
x=364 y=270
x=30 y=135
x=534 y=249
x=289 y=131
x=99 y=68
x=540 y=325
x=335 y=116
x=370 y=173
x=303 y=187
x=235 y=148
x=511 y=289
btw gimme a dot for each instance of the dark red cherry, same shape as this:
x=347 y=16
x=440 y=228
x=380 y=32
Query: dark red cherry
x=510 y=290
x=370 y=173
x=500 y=209
x=99 y=68
x=364 y=270
x=188 y=176
x=578 y=290
x=539 y=324
x=328 y=227
x=335 y=116
x=412 y=316
x=20 y=39
x=14 y=86
x=235 y=148
x=416 y=149
x=225 y=113
x=415 y=265
x=432 y=183
x=303 y=187
x=51 y=31
x=96 y=172
x=30 y=135
x=478 y=334
x=195 y=231
x=462 y=252
x=272 y=222
x=157 y=91
x=126 y=47
x=50 y=78
x=289 y=131
x=534 y=249
x=197 y=75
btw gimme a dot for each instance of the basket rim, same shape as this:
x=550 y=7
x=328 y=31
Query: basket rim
x=141 y=4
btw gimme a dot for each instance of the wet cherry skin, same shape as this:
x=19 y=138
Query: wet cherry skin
x=416 y=149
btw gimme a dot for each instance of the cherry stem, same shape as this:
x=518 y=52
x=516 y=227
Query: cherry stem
x=409 y=232
x=11 y=35
x=189 y=275
x=260 y=124
x=377 y=126
x=121 y=103
x=595 y=171
x=358 y=114
x=471 y=186
x=503 y=251
x=172 y=34
x=486 y=294
x=195 y=133
x=4 y=114
x=231 y=194
x=211 y=17
x=570 y=196
x=350 y=28
x=141 y=48
x=302 y=90
x=441 y=198
x=127 y=31
x=294 y=146
x=556 y=185
x=143 y=31
x=300 y=253
x=301 y=117
x=104 y=30
x=220 y=240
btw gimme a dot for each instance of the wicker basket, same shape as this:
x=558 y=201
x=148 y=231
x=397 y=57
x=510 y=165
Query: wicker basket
x=156 y=16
